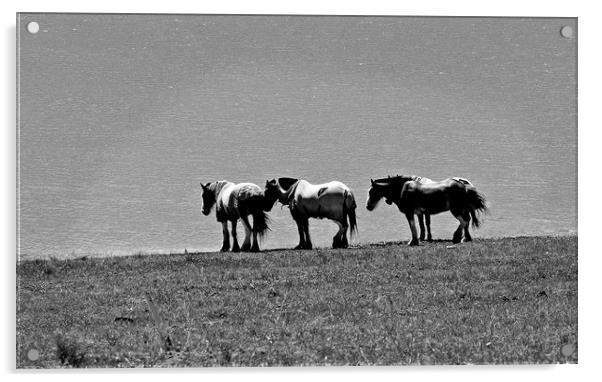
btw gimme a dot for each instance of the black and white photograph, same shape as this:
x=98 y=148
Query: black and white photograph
x=221 y=190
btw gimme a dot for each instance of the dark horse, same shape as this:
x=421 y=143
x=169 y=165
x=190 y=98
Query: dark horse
x=456 y=195
x=237 y=201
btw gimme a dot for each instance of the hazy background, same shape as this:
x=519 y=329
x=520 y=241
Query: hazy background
x=122 y=116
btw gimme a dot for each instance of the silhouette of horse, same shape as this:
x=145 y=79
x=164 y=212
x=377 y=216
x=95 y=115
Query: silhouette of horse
x=456 y=195
x=237 y=201
x=424 y=217
x=332 y=200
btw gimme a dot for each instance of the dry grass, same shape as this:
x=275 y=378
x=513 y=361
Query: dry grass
x=511 y=300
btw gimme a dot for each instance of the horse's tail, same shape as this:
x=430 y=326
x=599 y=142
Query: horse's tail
x=477 y=203
x=352 y=223
x=261 y=221
x=255 y=205
x=349 y=207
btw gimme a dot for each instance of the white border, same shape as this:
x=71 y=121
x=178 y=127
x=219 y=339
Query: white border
x=589 y=175
x=552 y=8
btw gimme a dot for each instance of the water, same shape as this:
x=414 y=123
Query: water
x=122 y=116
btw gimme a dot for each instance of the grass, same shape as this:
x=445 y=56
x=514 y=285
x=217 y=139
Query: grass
x=509 y=300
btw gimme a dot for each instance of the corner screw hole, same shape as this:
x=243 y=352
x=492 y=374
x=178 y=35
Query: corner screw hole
x=567 y=31
x=33 y=27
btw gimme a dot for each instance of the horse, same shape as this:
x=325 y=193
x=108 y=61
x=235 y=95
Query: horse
x=332 y=200
x=424 y=217
x=411 y=196
x=233 y=202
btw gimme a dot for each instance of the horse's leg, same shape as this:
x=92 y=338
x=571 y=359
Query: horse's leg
x=308 y=244
x=458 y=233
x=427 y=219
x=421 y=224
x=466 y=217
x=255 y=246
x=226 y=243
x=412 y=224
x=301 y=234
x=337 y=241
x=235 y=247
x=246 y=245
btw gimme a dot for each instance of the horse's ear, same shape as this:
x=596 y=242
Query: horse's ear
x=371 y=181
x=205 y=186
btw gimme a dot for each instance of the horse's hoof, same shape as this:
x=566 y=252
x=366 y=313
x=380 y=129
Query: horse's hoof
x=236 y=249
x=224 y=249
x=413 y=243
x=340 y=245
x=299 y=246
x=246 y=247
x=429 y=239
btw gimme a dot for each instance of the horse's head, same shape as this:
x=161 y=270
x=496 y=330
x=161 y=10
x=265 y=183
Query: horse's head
x=208 y=198
x=279 y=189
x=270 y=194
x=378 y=190
x=286 y=183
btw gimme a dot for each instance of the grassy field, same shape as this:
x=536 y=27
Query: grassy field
x=510 y=300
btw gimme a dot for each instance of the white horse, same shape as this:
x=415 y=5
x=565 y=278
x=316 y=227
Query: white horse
x=332 y=200
x=233 y=202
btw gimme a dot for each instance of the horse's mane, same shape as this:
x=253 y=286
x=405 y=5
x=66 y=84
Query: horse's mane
x=286 y=183
x=462 y=180
x=395 y=179
x=216 y=187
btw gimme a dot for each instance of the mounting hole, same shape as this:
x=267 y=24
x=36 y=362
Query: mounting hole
x=33 y=27
x=567 y=350
x=567 y=32
x=33 y=355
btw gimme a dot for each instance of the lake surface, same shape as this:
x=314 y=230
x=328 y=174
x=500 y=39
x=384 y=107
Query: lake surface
x=121 y=117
